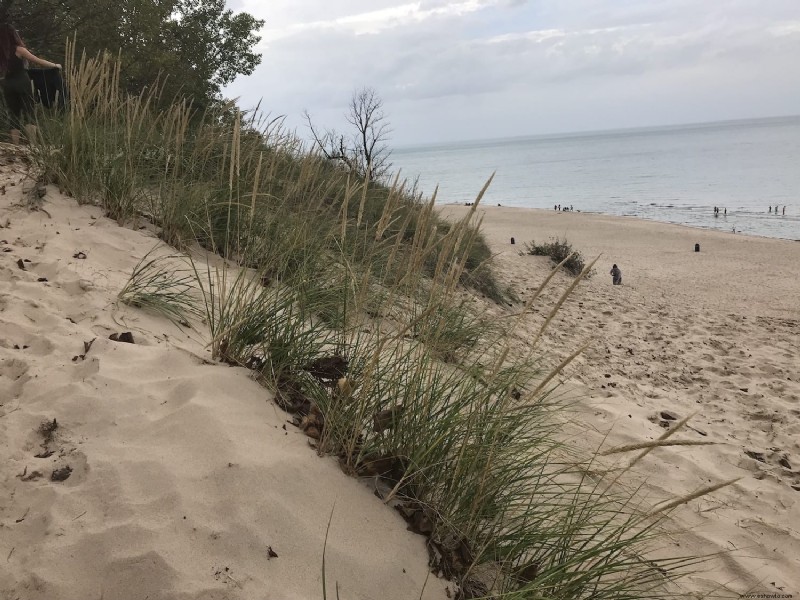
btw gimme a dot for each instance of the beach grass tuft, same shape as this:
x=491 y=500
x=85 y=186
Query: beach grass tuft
x=161 y=285
x=560 y=251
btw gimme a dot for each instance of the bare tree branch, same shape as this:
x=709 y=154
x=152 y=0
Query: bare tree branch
x=367 y=153
x=332 y=145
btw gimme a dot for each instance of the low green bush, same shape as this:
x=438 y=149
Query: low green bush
x=559 y=250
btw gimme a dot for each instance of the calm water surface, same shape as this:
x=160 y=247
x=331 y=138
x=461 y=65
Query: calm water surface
x=671 y=174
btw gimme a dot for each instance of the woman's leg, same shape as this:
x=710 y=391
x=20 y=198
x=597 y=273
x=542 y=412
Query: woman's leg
x=19 y=99
x=19 y=102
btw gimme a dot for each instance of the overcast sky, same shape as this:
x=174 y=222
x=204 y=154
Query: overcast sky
x=474 y=69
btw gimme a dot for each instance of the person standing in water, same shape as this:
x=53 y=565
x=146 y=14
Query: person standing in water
x=616 y=275
x=15 y=83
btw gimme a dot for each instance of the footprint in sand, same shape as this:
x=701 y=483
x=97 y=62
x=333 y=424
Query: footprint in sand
x=8 y=275
x=86 y=368
x=16 y=338
x=13 y=377
x=55 y=457
x=773 y=463
x=76 y=287
x=182 y=393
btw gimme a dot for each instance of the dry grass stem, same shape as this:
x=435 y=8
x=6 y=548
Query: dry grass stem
x=655 y=444
x=664 y=507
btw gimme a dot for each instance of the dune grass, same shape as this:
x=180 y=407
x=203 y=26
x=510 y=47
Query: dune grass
x=161 y=287
x=560 y=252
x=348 y=300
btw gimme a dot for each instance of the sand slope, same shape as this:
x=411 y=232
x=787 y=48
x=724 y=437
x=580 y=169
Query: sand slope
x=183 y=476
x=715 y=332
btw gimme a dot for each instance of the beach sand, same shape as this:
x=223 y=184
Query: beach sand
x=716 y=333
x=186 y=481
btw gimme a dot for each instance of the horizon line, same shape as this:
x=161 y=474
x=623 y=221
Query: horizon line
x=592 y=132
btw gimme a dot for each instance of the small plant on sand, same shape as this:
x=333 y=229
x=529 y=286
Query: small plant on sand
x=260 y=327
x=558 y=250
x=324 y=550
x=157 y=285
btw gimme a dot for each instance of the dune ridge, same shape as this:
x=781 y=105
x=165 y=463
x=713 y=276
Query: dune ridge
x=181 y=478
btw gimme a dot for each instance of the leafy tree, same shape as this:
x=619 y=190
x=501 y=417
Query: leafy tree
x=195 y=46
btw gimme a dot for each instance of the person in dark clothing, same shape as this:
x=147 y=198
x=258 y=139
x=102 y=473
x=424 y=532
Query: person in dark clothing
x=48 y=87
x=15 y=82
x=616 y=275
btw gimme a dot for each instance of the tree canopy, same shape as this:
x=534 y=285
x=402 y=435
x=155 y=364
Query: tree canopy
x=196 y=46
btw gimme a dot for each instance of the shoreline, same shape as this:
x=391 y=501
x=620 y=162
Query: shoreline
x=711 y=335
x=736 y=274
x=637 y=218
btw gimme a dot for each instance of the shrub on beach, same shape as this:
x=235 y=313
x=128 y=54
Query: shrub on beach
x=559 y=250
x=347 y=299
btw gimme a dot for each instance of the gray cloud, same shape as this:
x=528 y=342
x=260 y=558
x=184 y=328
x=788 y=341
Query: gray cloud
x=455 y=69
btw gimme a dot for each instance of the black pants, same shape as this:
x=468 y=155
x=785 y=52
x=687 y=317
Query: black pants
x=48 y=87
x=19 y=98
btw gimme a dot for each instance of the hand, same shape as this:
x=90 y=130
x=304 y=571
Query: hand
x=58 y=67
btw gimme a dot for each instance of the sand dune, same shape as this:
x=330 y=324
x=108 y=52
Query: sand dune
x=157 y=474
x=143 y=470
x=716 y=333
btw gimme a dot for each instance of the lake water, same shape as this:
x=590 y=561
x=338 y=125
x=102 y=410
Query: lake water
x=672 y=174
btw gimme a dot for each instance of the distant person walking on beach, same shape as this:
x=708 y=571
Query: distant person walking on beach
x=770 y=210
x=726 y=212
x=16 y=83
x=616 y=275
x=783 y=214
